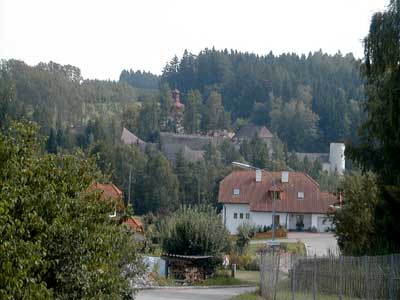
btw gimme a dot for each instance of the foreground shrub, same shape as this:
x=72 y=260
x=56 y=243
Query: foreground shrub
x=57 y=241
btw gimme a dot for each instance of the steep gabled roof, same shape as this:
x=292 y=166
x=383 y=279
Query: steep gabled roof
x=171 y=150
x=250 y=130
x=109 y=192
x=128 y=138
x=134 y=224
x=259 y=197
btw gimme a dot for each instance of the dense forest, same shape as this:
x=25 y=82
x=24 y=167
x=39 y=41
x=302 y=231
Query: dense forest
x=306 y=101
x=320 y=94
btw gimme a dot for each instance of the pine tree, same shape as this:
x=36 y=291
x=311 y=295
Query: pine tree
x=192 y=117
x=51 y=145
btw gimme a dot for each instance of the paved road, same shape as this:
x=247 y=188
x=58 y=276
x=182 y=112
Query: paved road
x=192 y=294
x=317 y=243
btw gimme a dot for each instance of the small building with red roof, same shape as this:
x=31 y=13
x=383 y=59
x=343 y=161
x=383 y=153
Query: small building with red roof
x=248 y=197
x=110 y=192
x=135 y=225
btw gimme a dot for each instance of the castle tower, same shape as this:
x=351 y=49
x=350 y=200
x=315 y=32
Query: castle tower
x=336 y=158
x=177 y=111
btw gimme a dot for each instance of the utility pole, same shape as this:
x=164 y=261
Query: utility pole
x=129 y=184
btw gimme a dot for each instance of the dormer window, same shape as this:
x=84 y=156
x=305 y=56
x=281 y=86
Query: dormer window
x=275 y=195
x=300 y=195
x=236 y=192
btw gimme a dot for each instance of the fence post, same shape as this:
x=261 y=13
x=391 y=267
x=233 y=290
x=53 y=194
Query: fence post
x=340 y=277
x=315 y=278
x=277 y=274
x=293 y=277
x=366 y=276
x=233 y=271
x=391 y=283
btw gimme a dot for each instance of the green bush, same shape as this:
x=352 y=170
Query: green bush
x=194 y=230
x=242 y=261
x=245 y=233
x=57 y=241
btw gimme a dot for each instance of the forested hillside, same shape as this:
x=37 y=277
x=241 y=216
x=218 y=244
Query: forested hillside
x=309 y=101
x=56 y=96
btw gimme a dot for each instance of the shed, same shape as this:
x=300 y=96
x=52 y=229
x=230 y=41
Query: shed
x=189 y=268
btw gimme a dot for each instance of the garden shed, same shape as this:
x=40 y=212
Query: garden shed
x=188 y=268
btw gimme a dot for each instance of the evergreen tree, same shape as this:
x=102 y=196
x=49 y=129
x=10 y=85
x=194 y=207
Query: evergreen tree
x=295 y=123
x=213 y=112
x=166 y=102
x=51 y=145
x=149 y=120
x=379 y=146
x=160 y=186
x=193 y=108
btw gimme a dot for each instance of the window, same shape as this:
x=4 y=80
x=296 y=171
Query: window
x=247 y=216
x=241 y=215
x=236 y=191
x=235 y=215
x=300 y=195
x=275 y=195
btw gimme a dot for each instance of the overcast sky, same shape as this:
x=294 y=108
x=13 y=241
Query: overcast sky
x=102 y=37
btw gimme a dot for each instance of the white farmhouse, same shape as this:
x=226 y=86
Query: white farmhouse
x=247 y=197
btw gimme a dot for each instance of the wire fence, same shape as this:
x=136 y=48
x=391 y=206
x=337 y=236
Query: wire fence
x=292 y=277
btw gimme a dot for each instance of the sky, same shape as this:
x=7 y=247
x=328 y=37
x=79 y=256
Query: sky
x=103 y=37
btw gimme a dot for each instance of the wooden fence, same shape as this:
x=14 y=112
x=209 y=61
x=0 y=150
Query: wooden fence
x=295 y=277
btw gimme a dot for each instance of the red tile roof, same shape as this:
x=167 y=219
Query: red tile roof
x=109 y=191
x=259 y=196
x=134 y=224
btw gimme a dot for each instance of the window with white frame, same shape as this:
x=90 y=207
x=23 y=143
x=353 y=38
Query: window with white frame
x=247 y=216
x=300 y=195
x=241 y=215
x=235 y=215
x=236 y=192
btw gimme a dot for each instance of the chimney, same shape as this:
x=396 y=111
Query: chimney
x=258 y=175
x=285 y=176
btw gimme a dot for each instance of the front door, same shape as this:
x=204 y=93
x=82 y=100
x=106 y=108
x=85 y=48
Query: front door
x=299 y=222
x=276 y=221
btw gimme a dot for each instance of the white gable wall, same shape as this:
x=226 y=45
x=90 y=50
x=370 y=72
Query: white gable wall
x=228 y=212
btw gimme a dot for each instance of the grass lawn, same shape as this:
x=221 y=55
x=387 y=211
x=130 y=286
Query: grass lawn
x=283 y=296
x=222 y=277
x=222 y=280
x=248 y=296
x=248 y=276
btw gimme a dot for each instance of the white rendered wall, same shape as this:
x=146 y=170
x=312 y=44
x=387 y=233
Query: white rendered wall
x=336 y=158
x=315 y=224
x=230 y=223
x=256 y=218
x=265 y=218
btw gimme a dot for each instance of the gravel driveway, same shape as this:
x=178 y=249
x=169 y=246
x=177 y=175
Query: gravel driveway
x=193 y=293
x=317 y=243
